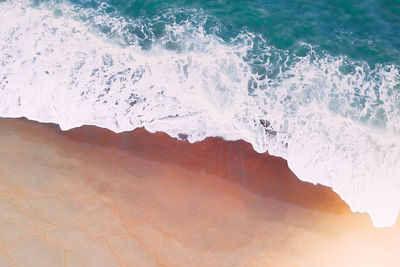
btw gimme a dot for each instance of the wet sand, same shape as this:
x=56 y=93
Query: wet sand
x=90 y=197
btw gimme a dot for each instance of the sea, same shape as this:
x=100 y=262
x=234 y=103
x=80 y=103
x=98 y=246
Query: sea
x=314 y=82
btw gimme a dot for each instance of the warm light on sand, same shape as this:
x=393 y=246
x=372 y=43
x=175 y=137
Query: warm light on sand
x=147 y=200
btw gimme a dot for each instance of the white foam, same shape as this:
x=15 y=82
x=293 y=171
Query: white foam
x=60 y=69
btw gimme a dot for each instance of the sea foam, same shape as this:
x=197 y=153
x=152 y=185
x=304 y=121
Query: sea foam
x=335 y=120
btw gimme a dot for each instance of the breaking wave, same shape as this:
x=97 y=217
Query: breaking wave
x=335 y=120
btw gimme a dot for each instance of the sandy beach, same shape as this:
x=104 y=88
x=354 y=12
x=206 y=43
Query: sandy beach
x=90 y=197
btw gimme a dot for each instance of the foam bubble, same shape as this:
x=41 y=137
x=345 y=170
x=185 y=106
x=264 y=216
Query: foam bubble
x=335 y=120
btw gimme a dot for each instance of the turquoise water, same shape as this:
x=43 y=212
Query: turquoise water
x=367 y=30
x=320 y=79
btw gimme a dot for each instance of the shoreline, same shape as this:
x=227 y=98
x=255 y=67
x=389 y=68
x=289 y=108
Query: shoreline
x=137 y=198
x=237 y=155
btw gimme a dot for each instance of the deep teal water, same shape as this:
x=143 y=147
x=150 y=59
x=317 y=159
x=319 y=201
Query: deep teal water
x=363 y=30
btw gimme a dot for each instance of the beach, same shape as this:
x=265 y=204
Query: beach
x=199 y=133
x=91 y=197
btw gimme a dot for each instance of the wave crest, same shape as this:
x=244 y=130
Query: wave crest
x=335 y=120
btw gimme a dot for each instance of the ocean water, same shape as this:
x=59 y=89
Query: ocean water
x=315 y=82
